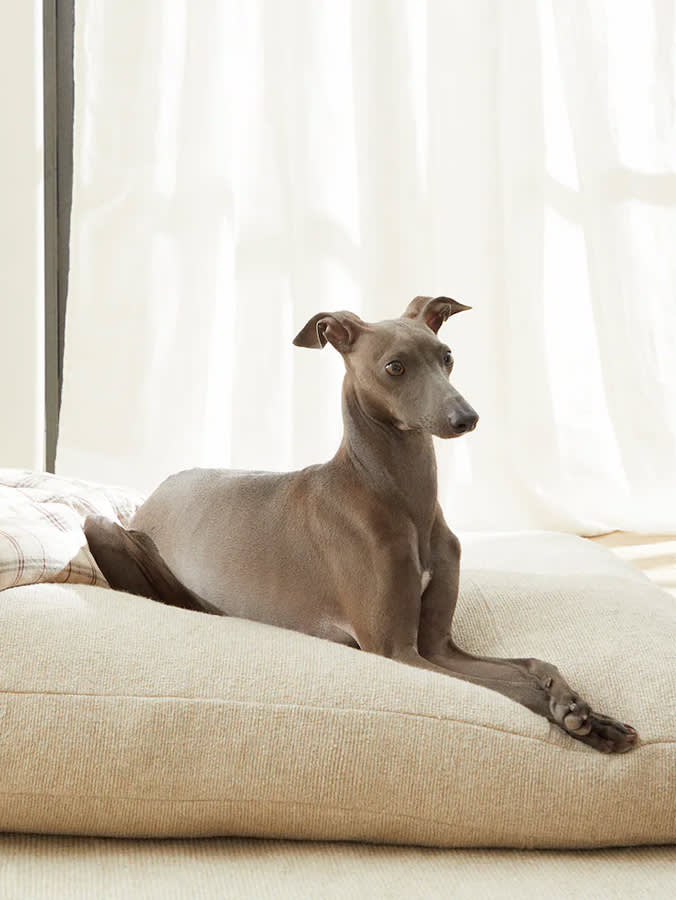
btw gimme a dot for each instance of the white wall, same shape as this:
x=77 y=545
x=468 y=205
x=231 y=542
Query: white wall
x=21 y=236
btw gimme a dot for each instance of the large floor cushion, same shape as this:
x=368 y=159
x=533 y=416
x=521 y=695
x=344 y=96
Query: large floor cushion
x=121 y=717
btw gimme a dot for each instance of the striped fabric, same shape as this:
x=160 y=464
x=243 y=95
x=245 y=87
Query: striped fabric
x=41 y=516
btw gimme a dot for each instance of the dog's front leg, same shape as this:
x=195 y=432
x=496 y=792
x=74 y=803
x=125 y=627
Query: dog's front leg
x=531 y=682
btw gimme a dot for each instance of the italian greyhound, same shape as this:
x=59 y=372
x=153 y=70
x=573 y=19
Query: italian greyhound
x=355 y=550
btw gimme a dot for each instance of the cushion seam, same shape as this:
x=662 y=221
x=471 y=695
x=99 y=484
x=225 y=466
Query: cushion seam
x=281 y=706
x=317 y=708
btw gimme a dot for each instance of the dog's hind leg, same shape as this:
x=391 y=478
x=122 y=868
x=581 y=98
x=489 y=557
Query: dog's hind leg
x=130 y=561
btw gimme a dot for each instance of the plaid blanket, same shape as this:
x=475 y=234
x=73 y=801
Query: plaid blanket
x=41 y=517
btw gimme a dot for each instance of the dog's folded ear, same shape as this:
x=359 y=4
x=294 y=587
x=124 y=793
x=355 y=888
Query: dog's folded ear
x=433 y=311
x=338 y=328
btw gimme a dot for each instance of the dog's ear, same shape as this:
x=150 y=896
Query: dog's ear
x=433 y=311
x=338 y=328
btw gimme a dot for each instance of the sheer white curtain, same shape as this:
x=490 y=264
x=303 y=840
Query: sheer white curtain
x=22 y=250
x=243 y=164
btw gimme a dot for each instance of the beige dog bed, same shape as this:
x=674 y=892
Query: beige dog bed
x=123 y=717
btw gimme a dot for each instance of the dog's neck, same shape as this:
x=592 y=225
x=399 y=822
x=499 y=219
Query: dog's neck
x=399 y=465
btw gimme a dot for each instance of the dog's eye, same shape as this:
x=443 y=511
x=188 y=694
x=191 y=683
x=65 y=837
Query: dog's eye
x=395 y=367
x=448 y=358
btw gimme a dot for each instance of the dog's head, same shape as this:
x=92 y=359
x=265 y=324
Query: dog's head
x=399 y=368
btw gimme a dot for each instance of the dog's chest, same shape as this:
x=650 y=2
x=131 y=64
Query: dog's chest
x=425 y=580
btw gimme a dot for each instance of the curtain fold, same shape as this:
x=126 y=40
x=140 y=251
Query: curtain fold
x=243 y=164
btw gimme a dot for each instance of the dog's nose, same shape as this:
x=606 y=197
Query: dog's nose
x=463 y=424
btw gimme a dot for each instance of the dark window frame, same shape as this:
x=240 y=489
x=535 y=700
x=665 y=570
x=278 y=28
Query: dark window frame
x=58 y=22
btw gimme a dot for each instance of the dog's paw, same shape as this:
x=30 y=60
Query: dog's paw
x=571 y=713
x=601 y=732
x=607 y=735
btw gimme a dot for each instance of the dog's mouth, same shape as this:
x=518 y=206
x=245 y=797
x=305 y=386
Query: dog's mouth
x=401 y=426
x=445 y=431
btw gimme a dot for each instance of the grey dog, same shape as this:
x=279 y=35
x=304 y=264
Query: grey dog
x=355 y=550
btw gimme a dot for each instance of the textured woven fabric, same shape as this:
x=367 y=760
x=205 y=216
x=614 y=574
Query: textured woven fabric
x=123 y=717
x=41 y=518
x=61 y=868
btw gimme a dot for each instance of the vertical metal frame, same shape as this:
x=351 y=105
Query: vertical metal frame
x=58 y=21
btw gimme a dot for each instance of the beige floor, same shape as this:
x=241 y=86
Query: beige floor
x=654 y=554
x=62 y=868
